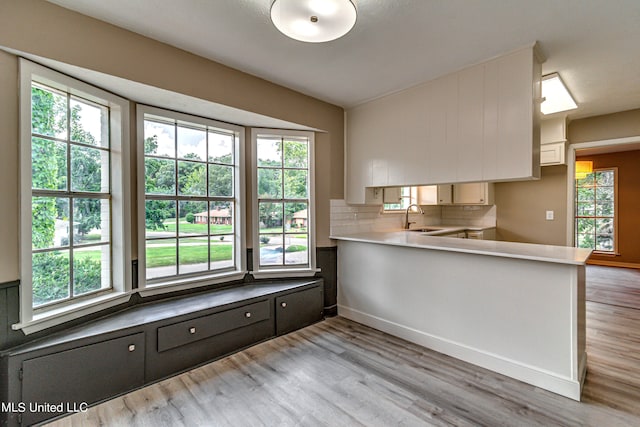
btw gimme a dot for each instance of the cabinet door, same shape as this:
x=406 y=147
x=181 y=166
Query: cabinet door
x=85 y=374
x=299 y=309
x=445 y=194
x=428 y=195
x=471 y=194
x=552 y=154
x=470 y=124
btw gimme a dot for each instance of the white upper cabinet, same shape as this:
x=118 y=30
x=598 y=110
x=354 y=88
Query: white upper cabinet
x=475 y=193
x=479 y=124
x=553 y=141
x=435 y=194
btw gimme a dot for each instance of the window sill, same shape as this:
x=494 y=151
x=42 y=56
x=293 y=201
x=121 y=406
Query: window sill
x=64 y=314
x=182 y=283
x=282 y=273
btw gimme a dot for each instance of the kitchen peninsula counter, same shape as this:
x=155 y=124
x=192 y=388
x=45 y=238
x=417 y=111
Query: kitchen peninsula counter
x=514 y=308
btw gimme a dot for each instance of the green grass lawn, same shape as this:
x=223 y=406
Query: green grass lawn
x=161 y=256
x=186 y=227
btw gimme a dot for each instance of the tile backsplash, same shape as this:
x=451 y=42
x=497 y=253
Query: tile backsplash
x=349 y=219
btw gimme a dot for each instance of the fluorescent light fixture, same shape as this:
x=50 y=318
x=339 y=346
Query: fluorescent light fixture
x=313 y=21
x=556 y=96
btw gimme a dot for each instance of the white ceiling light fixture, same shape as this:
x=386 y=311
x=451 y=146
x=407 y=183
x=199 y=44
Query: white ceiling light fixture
x=313 y=21
x=556 y=95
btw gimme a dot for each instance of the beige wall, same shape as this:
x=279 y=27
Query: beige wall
x=521 y=205
x=521 y=208
x=608 y=126
x=46 y=30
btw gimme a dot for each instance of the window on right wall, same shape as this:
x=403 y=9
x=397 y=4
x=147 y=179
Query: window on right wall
x=595 y=221
x=283 y=203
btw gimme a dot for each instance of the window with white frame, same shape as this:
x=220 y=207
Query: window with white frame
x=190 y=178
x=73 y=150
x=283 y=202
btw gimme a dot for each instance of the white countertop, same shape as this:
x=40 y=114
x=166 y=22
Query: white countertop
x=528 y=251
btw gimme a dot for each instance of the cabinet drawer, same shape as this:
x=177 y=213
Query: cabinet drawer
x=299 y=309
x=200 y=328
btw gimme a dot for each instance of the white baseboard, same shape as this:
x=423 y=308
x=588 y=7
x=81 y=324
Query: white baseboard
x=547 y=380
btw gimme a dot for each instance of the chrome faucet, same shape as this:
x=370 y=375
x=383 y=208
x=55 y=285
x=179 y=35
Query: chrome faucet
x=407 y=224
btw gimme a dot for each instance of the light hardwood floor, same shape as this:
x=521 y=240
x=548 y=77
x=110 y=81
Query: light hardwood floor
x=340 y=373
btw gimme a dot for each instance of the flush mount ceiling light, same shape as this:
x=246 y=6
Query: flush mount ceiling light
x=313 y=21
x=556 y=96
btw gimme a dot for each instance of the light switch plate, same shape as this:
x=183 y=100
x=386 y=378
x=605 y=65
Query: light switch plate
x=549 y=215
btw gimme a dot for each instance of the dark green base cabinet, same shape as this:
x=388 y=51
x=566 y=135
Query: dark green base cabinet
x=68 y=371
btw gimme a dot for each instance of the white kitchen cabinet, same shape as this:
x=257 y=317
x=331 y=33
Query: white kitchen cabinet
x=479 y=124
x=553 y=141
x=476 y=193
x=552 y=154
x=435 y=194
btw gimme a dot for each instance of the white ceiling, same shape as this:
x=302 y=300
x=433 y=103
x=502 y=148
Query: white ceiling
x=395 y=44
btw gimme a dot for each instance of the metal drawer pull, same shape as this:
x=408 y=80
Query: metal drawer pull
x=283 y=304
x=192 y=330
x=132 y=347
x=247 y=314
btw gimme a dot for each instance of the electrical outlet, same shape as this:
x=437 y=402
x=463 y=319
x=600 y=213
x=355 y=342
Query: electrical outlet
x=549 y=215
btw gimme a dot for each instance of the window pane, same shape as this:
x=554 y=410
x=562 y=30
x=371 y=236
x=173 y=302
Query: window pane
x=295 y=184
x=193 y=218
x=160 y=176
x=89 y=169
x=49 y=222
x=160 y=218
x=604 y=194
x=295 y=217
x=270 y=215
x=48 y=164
x=192 y=179
x=585 y=241
x=584 y=209
x=221 y=252
x=586 y=194
x=192 y=143
x=604 y=226
x=269 y=152
x=604 y=208
x=50 y=277
x=271 y=249
x=220 y=181
x=604 y=242
x=586 y=225
x=161 y=258
x=89 y=123
x=221 y=217
x=90 y=220
x=48 y=113
x=159 y=139
x=296 y=249
x=221 y=148
x=91 y=269
x=269 y=183
x=604 y=178
x=194 y=254
x=295 y=153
